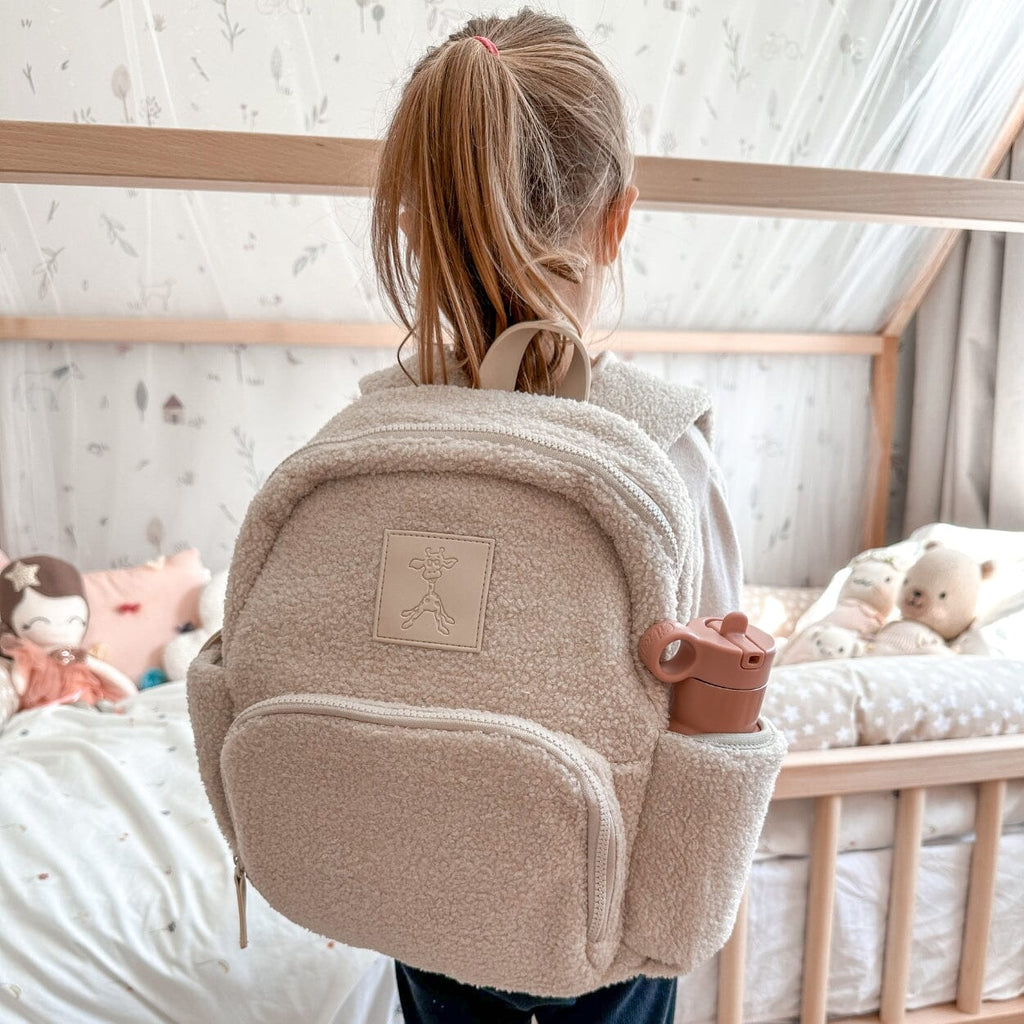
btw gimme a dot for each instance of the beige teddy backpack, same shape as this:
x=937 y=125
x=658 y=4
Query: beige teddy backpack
x=425 y=728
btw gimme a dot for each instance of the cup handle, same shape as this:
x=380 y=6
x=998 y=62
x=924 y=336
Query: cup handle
x=657 y=639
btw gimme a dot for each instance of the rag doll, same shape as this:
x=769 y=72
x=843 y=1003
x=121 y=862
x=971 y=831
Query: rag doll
x=866 y=600
x=43 y=618
x=939 y=601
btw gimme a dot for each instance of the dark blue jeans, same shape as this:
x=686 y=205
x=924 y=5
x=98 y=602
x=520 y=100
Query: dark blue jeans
x=434 y=999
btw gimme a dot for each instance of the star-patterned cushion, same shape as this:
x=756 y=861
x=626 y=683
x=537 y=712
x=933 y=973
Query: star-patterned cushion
x=863 y=701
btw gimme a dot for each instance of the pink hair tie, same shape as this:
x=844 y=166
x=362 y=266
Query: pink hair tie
x=488 y=45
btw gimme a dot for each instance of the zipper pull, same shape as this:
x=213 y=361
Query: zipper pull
x=243 y=937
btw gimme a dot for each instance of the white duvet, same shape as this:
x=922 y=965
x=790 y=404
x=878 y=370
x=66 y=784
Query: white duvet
x=117 y=894
x=118 y=904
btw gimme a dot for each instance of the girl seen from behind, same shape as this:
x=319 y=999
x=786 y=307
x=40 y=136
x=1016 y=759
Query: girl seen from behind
x=504 y=190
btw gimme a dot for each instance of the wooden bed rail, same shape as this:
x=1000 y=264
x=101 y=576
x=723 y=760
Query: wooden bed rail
x=910 y=769
x=180 y=330
x=126 y=156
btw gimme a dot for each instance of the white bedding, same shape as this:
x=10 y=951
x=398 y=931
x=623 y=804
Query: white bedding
x=118 y=904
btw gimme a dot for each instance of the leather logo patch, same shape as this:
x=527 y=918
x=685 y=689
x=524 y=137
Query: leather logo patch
x=432 y=590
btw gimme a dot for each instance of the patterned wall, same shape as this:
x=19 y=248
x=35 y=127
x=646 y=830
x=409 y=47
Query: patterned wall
x=110 y=452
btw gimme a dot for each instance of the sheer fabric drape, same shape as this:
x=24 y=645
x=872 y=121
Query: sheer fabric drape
x=966 y=458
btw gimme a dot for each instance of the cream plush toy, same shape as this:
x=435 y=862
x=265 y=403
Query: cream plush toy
x=865 y=602
x=180 y=651
x=939 y=602
x=823 y=642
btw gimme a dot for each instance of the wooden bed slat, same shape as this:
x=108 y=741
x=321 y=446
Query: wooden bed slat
x=984 y=858
x=902 y=900
x=732 y=964
x=821 y=892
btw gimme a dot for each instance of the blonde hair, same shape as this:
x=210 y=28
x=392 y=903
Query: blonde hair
x=506 y=163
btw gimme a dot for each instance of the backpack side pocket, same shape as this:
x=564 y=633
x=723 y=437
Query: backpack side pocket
x=211 y=711
x=703 y=812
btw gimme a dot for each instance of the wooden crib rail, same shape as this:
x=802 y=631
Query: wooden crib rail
x=909 y=769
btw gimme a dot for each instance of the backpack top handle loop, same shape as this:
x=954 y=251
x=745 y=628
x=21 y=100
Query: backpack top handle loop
x=500 y=365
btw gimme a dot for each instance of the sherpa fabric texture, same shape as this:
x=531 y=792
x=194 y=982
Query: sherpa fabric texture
x=516 y=816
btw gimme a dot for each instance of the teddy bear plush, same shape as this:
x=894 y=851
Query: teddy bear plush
x=866 y=601
x=180 y=651
x=939 y=601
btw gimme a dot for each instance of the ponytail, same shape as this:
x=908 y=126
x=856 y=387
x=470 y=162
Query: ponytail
x=503 y=165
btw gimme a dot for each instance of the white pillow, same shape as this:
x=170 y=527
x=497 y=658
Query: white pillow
x=777 y=609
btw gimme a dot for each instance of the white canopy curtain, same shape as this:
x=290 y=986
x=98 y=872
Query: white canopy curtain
x=181 y=435
x=967 y=432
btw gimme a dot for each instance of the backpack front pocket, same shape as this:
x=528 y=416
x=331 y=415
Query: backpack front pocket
x=479 y=845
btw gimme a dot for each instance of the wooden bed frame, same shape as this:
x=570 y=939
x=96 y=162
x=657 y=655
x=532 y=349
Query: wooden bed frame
x=911 y=769
x=33 y=152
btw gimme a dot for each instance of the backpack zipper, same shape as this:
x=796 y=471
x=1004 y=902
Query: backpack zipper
x=603 y=840
x=621 y=481
x=243 y=935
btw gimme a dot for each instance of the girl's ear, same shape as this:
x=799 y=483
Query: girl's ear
x=616 y=223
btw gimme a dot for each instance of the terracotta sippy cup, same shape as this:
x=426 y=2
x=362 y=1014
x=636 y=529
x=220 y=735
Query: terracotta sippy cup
x=720 y=671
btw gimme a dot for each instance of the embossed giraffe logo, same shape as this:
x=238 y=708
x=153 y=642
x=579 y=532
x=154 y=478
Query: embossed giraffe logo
x=431 y=567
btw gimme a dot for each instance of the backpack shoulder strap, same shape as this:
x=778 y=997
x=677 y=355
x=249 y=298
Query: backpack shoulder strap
x=663 y=409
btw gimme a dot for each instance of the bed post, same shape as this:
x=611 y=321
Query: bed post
x=732 y=965
x=883 y=415
x=980 y=895
x=821 y=895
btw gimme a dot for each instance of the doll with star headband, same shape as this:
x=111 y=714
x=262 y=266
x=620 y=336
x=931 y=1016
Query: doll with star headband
x=43 y=619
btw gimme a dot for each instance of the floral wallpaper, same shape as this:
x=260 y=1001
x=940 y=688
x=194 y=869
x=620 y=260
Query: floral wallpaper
x=115 y=453
x=112 y=451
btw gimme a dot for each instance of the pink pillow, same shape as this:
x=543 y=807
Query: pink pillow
x=4 y=560
x=134 y=612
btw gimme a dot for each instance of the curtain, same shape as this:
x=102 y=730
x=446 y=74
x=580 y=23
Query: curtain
x=966 y=456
